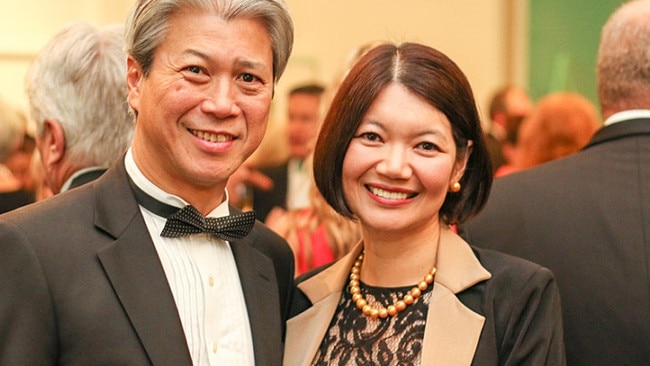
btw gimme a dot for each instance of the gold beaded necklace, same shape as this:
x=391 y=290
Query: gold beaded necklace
x=381 y=311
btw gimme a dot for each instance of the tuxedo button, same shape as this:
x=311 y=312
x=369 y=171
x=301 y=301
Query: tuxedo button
x=211 y=281
x=214 y=347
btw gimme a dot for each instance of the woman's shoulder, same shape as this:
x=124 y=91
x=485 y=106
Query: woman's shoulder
x=514 y=277
x=502 y=264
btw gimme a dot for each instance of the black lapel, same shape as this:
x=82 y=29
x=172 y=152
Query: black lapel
x=259 y=284
x=135 y=272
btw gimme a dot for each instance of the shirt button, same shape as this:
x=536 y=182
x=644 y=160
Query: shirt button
x=214 y=347
x=211 y=281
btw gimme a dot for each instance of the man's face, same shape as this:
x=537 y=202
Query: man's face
x=518 y=103
x=304 y=119
x=204 y=106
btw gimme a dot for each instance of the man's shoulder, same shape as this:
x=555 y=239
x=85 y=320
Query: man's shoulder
x=57 y=208
x=546 y=176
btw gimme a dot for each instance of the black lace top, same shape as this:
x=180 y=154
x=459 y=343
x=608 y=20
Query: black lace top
x=355 y=339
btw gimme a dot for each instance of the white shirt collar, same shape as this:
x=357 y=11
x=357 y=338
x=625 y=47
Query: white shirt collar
x=154 y=191
x=76 y=174
x=627 y=115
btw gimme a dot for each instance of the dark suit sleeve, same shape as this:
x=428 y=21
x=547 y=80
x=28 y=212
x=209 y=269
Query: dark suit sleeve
x=27 y=326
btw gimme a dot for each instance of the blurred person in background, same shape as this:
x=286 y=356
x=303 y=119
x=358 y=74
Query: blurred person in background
x=76 y=88
x=317 y=234
x=587 y=216
x=508 y=103
x=13 y=124
x=291 y=181
x=560 y=124
x=21 y=163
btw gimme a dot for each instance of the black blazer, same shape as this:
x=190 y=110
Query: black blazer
x=487 y=308
x=265 y=201
x=82 y=284
x=587 y=218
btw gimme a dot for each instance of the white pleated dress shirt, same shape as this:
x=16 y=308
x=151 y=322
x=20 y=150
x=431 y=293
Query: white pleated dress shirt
x=202 y=274
x=298 y=185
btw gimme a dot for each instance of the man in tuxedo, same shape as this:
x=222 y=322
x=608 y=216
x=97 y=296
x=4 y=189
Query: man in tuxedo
x=128 y=270
x=77 y=91
x=587 y=217
x=291 y=179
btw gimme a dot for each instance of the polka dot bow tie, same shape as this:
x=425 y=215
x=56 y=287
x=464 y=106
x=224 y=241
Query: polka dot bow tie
x=188 y=220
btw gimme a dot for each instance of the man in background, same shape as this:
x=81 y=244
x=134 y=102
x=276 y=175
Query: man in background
x=507 y=104
x=292 y=180
x=76 y=88
x=587 y=216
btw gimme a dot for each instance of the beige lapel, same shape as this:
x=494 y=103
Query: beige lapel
x=306 y=331
x=452 y=330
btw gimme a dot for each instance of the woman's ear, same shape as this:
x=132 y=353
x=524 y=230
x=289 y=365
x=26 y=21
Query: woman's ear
x=462 y=158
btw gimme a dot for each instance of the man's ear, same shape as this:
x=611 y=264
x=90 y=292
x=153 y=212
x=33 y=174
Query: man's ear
x=52 y=142
x=134 y=75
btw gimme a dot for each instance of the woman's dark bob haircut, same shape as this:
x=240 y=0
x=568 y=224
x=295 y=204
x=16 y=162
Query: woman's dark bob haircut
x=436 y=79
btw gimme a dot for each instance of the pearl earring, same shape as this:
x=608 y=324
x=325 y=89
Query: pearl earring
x=455 y=187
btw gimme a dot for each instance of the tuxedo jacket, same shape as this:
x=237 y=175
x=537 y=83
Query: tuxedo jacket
x=487 y=308
x=265 y=201
x=82 y=284
x=587 y=218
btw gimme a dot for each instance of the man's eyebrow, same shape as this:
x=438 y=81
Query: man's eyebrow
x=250 y=64
x=197 y=53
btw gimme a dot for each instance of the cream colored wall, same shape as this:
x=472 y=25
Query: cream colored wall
x=472 y=32
x=484 y=37
x=26 y=26
x=477 y=34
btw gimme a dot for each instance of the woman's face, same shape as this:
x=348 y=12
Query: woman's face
x=400 y=163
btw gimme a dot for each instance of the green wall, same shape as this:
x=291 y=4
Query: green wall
x=564 y=36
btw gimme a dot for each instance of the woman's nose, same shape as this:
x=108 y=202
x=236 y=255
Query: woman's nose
x=395 y=164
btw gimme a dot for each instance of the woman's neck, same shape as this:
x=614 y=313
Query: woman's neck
x=399 y=260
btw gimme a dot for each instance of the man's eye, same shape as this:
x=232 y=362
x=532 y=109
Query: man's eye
x=248 y=78
x=194 y=69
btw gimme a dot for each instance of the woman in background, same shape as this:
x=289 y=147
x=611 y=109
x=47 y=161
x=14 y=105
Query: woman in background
x=561 y=124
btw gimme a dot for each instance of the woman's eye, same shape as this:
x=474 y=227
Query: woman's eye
x=371 y=136
x=427 y=146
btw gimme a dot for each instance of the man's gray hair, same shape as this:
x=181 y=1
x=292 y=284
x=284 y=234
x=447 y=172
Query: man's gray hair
x=79 y=80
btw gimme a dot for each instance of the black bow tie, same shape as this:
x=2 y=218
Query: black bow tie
x=188 y=220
